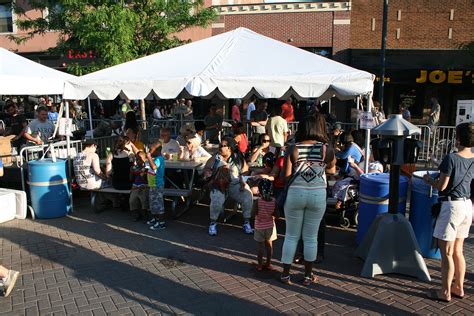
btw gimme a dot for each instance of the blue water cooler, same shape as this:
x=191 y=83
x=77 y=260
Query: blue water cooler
x=422 y=198
x=49 y=189
x=374 y=192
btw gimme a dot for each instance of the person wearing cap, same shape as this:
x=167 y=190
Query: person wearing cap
x=336 y=134
x=184 y=132
x=193 y=151
x=87 y=170
x=350 y=149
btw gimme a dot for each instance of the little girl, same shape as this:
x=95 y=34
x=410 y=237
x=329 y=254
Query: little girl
x=265 y=230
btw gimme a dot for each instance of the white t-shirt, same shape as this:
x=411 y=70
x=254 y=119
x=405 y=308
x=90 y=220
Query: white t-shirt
x=84 y=164
x=157 y=113
x=171 y=147
x=250 y=109
x=277 y=127
x=42 y=129
x=198 y=154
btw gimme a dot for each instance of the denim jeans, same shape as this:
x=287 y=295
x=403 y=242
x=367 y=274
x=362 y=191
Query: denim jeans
x=304 y=210
x=243 y=197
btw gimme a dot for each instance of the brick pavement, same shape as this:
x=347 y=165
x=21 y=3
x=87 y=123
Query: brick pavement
x=97 y=264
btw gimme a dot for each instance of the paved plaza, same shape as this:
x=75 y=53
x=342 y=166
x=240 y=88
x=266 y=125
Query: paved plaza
x=97 y=264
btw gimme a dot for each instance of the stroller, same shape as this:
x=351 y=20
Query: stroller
x=347 y=211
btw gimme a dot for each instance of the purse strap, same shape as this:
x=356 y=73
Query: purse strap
x=460 y=182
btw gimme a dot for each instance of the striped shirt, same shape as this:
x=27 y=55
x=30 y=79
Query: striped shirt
x=311 y=167
x=264 y=217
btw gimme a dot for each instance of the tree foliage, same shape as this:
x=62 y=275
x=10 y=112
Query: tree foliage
x=116 y=31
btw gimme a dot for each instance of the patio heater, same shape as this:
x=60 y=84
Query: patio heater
x=390 y=245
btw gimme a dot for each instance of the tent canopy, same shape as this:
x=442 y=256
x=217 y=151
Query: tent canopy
x=21 y=76
x=231 y=64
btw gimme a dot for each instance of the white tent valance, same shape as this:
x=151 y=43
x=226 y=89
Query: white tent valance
x=21 y=76
x=234 y=63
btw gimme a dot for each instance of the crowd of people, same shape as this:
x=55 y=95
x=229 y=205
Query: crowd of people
x=270 y=174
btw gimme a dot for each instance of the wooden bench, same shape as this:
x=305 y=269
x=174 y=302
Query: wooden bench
x=175 y=193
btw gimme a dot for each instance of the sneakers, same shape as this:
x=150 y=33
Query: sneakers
x=9 y=282
x=213 y=229
x=151 y=222
x=247 y=228
x=158 y=226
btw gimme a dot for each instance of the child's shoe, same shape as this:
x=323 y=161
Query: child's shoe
x=247 y=228
x=213 y=229
x=151 y=222
x=158 y=226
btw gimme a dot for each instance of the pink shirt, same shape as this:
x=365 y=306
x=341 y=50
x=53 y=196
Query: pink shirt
x=236 y=113
x=287 y=112
x=264 y=218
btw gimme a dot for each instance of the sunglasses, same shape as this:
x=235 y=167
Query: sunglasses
x=222 y=145
x=189 y=143
x=265 y=141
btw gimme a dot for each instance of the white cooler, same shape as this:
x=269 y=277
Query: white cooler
x=21 y=202
x=8 y=206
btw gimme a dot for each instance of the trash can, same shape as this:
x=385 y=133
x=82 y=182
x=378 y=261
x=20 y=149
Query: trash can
x=373 y=197
x=422 y=198
x=49 y=189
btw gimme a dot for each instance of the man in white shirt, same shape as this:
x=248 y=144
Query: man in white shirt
x=170 y=147
x=277 y=129
x=157 y=112
x=251 y=107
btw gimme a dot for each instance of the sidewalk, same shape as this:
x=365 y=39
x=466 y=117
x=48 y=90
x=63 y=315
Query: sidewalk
x=97 y=264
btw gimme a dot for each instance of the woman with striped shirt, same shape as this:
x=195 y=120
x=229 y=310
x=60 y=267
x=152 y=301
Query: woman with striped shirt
x=304 y=170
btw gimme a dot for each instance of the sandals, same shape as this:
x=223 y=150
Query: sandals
x=286 y=279
x=436 y=296
x=268 y=267
x=453 y=294
x=308 y=280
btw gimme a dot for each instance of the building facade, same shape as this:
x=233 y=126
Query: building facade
x=424 y=42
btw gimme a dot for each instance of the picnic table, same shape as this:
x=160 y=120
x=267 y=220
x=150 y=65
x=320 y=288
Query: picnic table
x=175 y=191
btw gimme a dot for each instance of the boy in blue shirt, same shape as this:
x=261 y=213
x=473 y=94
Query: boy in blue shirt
x=156 y=183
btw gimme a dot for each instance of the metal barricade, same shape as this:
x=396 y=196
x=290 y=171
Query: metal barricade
x=444 y=142
x=29 y=153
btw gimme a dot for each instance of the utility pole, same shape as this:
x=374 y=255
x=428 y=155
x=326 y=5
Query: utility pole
x=382 y=53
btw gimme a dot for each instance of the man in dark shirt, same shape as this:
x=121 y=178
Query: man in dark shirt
x=15 y=124
x=258 y=120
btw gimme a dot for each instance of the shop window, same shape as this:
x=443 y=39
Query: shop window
x=6 y=16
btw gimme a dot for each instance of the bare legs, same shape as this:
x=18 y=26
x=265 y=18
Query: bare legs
x=459 y=268
x=453 y=265
x=268 y=245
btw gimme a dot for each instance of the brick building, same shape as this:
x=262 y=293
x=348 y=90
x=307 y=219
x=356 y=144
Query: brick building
x=424 y=37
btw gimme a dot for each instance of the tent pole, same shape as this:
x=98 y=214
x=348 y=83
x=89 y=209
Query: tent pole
x=68 y=151
x=90 y=116
x=367 y=136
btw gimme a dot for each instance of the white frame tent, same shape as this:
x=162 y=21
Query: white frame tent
x=234 y=64
x=21 y=76
x=231 y=65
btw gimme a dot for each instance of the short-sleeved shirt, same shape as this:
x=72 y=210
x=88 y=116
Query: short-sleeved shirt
x=53 y=116
x=160 y=171
x=436 y=110
x=138 y=179
x=250 y=109
x=259 y=116
x=42 y=129
x=287 y=112
x=84 y=172
x=354 y=151
x=276 y=127
x=210 y=120
x=171 y=147
x=236 y=113
x=15 y=123
x=264 y=217
x=457 y=168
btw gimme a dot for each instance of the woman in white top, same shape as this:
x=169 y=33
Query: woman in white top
x=194 y=151
x=87 y=168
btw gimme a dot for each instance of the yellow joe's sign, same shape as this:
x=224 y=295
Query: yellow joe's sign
x=449 y=76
